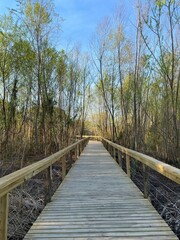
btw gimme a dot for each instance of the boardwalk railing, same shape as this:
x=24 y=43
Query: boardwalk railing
x=147 y=162
x=91 y=137
x=13 y=180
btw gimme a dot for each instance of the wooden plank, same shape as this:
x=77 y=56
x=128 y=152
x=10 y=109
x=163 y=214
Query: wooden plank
x=87 y=235
x=104 y=238
x=98 y=201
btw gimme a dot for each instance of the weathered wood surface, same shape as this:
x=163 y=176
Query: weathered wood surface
x=166 y=170
x=98 y=201
x=11 y=181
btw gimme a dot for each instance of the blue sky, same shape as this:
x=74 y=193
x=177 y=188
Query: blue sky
x=81 y=17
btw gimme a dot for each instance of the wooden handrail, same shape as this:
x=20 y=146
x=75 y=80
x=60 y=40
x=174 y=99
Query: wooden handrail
x=166 y=170
x=90 y=136
x=13 y=180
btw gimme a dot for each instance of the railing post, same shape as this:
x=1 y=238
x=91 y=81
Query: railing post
x=75 y=153
x=146 y=181
x=107 y=147
x=119 y=159
x=83 y=145
x=69 y=158
x=111 y=151
x=4 y=208
x=63 y=167
x=77 y=150
x=128 y=165
x=48 y=184
x=114 y=153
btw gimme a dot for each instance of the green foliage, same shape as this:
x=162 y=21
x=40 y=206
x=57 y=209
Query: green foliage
x=37 y=13
x=160 y=3
x=44 y=92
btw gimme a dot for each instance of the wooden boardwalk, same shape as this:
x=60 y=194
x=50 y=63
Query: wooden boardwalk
x=98 y=201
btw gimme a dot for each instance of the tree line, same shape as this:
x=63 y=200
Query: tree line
x=42 y=89
x=126 y=88
x=138 y=78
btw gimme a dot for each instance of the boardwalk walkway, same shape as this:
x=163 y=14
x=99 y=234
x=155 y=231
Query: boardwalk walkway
x=98 y=201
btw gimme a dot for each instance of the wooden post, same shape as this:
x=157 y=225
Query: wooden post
x=79 y=149
x=82 y=146
x=63 y=167
x=75 y=153
x=128 y=166
x=146 y=181
x=108 y=147
x=48 y=184
x=119 y=159
x=4 y=208
x=114 y=153
x=70 y=158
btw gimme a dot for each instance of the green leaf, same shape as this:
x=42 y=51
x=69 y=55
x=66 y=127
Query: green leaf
x=160 y=3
